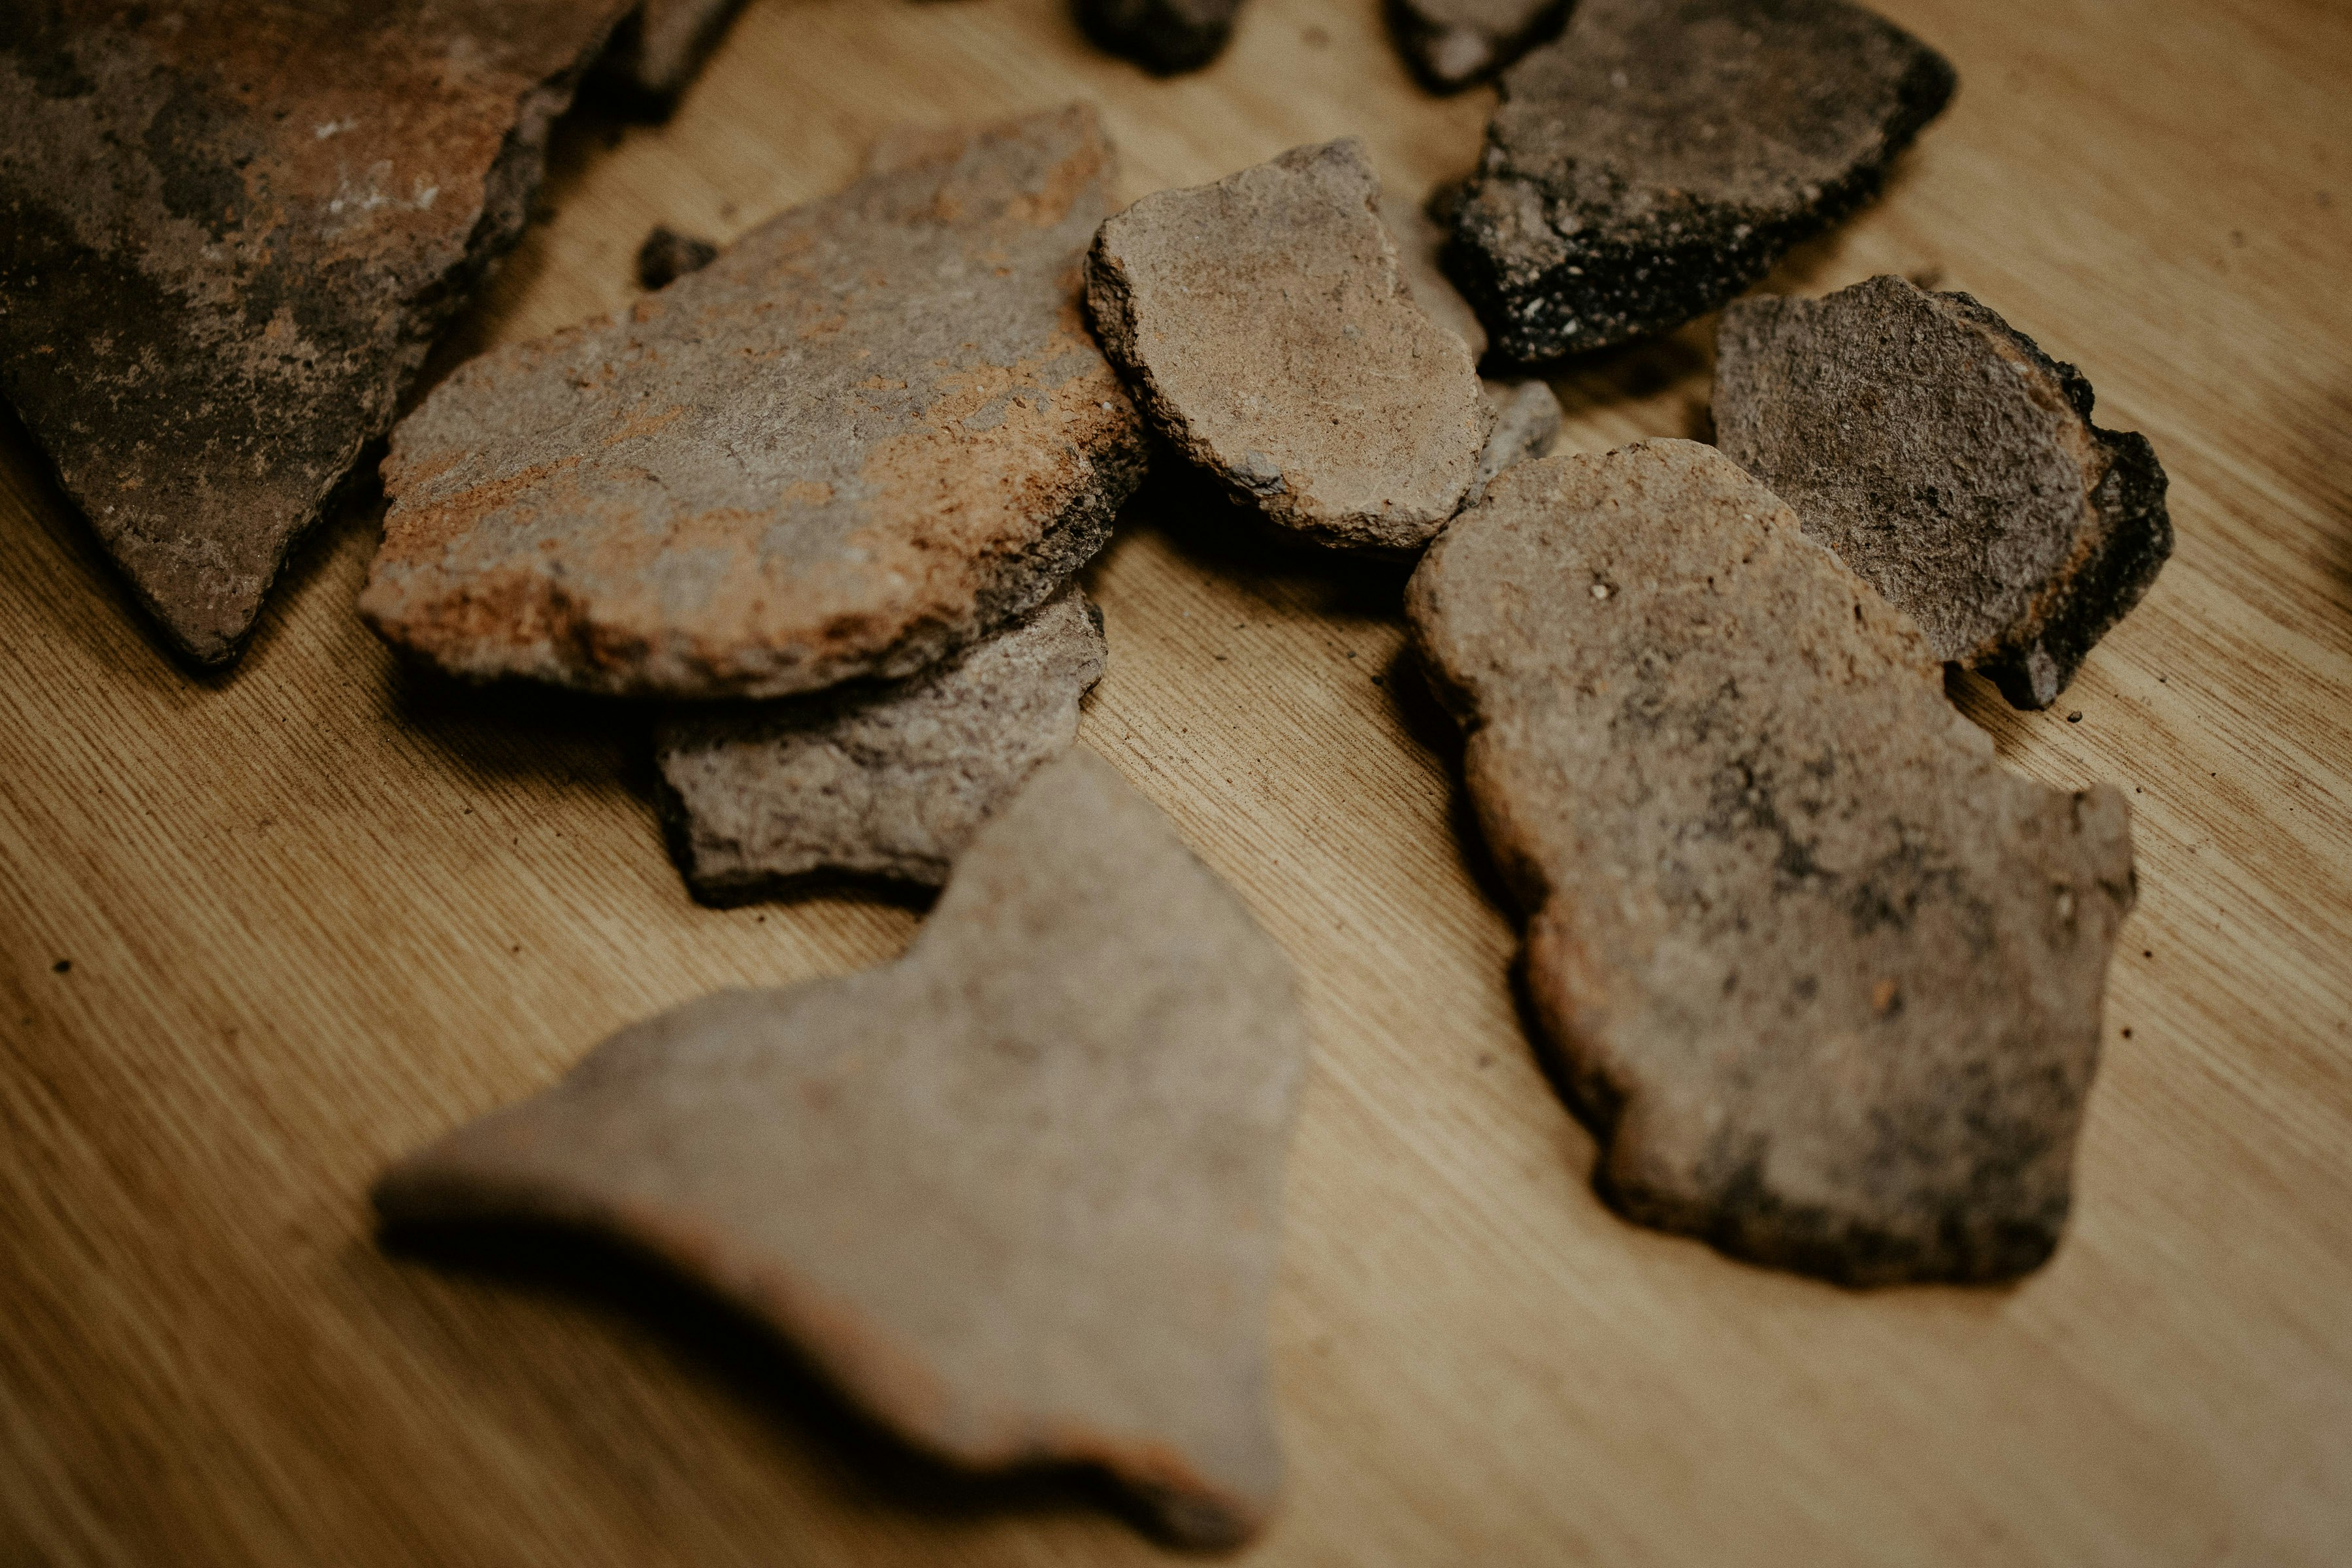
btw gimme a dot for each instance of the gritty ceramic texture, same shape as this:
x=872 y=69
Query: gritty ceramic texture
x=874 y=429
x=219 y=274
x=1268 y=332
x=1952 y=464
x=1662 y=154
x=1450 y=44
x=1163 y=35
x=1018 y=1194
x=888 y=781
x=1823 y=975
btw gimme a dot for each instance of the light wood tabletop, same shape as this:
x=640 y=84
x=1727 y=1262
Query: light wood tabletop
x=260 y=933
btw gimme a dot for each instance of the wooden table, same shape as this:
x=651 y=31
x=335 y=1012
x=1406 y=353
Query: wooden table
x=318 y=911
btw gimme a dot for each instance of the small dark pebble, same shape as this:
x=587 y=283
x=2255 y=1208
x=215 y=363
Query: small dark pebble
x=667 y=255
x=61 y=965
x=2075 y=717
x=2127 y=1034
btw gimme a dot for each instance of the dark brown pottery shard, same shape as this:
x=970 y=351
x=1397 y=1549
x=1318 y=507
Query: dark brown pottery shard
x=667 y=255
x=657 y=51
x=1451 y=44
x=1162 y=35
x=873 y=430
x=229 y=234
x=1824 y=976
x=1952 y=464
x=1018 y=1194
x=1662 y=154
x=879 y=780
x=1265 y=327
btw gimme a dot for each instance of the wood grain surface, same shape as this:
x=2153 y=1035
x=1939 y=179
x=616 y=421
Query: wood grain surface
x=260 y=933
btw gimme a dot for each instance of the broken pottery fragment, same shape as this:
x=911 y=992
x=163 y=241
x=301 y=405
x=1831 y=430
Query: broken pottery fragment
x=1419 y=237
x=218 y=274
x=1265 y=327
x=1450 y=44
x=1018 y=1194
x=874 y=429
x=1527 y=422
x=667 y=255
x=1971 y=488
x=1663 y=154
x=1823 y=975
x=657 y=51
x=1162 y=35
x=874 y=780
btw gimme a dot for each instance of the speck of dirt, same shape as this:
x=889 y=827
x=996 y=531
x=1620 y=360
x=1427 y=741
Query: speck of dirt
x=2127 y=1034
x=2075 y=717
x=61 y=965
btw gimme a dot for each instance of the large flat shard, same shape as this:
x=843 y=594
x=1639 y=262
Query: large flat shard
x=1951 y=463
x=889 y=780
x=1267 y=329
x=1662 y=154
x=1826 y=977
x=229 y=234
x=875 y=428
x=1019 y=1193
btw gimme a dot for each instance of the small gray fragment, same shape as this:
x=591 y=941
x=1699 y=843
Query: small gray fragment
x=1527 y=423
x=1018 y=1194
x=1977 y=495
x=666 y=255
x=884 y=781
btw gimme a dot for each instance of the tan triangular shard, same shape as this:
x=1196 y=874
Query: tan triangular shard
x=1826 y=976
x=1018 y=1194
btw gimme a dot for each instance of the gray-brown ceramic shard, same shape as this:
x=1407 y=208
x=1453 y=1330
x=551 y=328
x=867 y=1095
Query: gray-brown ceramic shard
x=1450 y=44
x=1266 y=329
x=220 y=270
x=1163 y=35
x=875 y=428
x=1976 y=494
x=657 y=51
x=1824 y=976
x=1527 y=422
x=887 y=780
x=1660 y=154
x=1018 y=1194
x=1419 y=239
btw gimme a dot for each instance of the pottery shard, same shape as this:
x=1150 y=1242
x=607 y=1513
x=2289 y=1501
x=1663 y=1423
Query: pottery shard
x=1163 y=35
x=1972 y=490
x=1450 y=44
x=882 y=781
x=218 y=275
x=874 y=429
x=1266 y=330
x=1527 y=422
x=1018 y=1194
x=657 y=51
x=1662 y=154
x=667 y=255
x=1824 y=976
